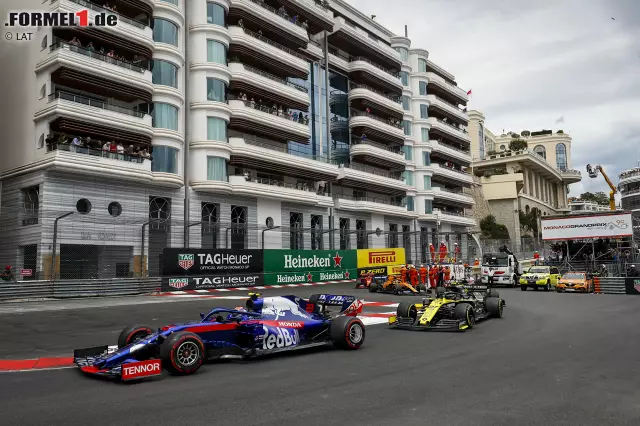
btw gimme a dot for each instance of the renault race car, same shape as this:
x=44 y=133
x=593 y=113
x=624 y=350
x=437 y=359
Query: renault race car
x=580 y=282
x=394 y=285
x=455 y=308
x=263 y=326
x=540 y=277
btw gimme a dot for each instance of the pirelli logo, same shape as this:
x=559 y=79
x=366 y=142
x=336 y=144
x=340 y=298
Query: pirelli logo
x=379 y=257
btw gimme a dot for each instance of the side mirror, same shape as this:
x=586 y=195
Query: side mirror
x=202 y=315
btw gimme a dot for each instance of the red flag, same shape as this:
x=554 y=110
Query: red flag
x=469 y=92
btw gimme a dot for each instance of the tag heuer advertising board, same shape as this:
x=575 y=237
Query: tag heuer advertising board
x=211 y=282
x=368 y=258
x=304 y=261
x=186 y=262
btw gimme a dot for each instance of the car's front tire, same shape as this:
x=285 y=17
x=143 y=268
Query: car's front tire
x=132 y=334
x=407 y=310
x=373 y=287
x=465 y=312
x=523 y=287
x=494 y=306
x=347 y=333
x=182 y=353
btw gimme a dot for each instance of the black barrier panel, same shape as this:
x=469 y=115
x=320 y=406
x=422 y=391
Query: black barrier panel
x=632 y=285
x=210 y=262
x=211 y=282
x=380 y=270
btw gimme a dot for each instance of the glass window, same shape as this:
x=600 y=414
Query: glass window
x=165 y=31
x=411 y=204
x=164 y=73
x=216 y=52
x=405 y=103
x=165 y=159
x=561 y=156
x=424 y=134
x=427 y=183
x=217 y=169
x=408 y=177
x=216 y=90
x=481 y=140
x=427 y=158
x=216 y=129
x=422 y=65
x=428 y=207
x=424 y=111
x=174 y=2
x=404 y=77
x=541 y=151
x=216 y=14
x=408 y=152
x=164 y=116
x=406 y=126
x=404 y=53
x=423 y=88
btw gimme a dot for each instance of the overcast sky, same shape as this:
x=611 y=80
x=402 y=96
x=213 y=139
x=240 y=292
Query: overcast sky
x=530 y=62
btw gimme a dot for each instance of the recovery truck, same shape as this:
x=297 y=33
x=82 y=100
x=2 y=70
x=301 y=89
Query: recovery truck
x=503 y=267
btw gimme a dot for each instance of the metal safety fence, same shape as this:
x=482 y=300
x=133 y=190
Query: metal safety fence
x=610 y=285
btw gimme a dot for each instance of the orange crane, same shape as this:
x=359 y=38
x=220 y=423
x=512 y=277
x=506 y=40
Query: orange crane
x=593 y=173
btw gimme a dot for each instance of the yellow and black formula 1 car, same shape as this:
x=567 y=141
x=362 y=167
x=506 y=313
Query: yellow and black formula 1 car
x=454 y=308
x=395 y=285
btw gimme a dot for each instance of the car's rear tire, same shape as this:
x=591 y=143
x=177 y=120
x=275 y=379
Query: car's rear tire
x=133 y=333
x=182 y=353
x=535 y=287
x=523 y=287
x=493 y=293
x=347 y=333
x=494 y=306
x=397 y=289
x=407 y=310
x=514 y=284
x=465 y=312
x=373 y=287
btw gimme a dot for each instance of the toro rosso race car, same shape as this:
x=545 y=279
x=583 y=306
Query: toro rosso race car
x=265 y=325
x=455 y=308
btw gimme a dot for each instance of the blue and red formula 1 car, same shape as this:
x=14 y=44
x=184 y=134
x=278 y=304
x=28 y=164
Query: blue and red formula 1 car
x=265 y=325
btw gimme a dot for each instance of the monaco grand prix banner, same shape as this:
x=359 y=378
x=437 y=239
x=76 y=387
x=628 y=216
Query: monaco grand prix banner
x=588 y=226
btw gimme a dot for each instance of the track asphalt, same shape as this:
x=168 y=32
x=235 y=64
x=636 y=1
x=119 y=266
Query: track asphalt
x=554 y=359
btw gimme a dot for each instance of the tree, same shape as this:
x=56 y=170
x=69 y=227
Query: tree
x=599 y=197
x=491 y=229
x=517 y=145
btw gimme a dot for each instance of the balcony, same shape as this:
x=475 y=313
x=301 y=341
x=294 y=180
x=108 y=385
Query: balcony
x=377 y=127
x=363 y=69
x=453 y=90
x=254 y=118
x=449 y=130
x=447 y=172
x=571 y=175
x=630 y=176
x=251 y=44
x=63 y=54
x=453 y=196
x=281 y=158
x=377 y=154
x=361 y=43
x=277 y=190
x=271 y=20
x=316 y=11
x=457 y=218
x=448 y=108
x=371 y=179
x=527 y=157
x=130 y=29
x=375 y=98
x=61 y=103
x=245 y=78
x=369 y=204
x=444 y=150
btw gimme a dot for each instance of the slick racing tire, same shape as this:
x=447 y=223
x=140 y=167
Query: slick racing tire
x=347 y=333
x=523 y=287
x=407 y=310
x=396 y=289
x=373 y=287
x=182 y=353
x=493 y=293
x=133 y=333
x=494 y=307
x=464 y=312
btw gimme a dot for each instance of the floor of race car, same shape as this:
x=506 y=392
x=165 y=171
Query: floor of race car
x=555 y=359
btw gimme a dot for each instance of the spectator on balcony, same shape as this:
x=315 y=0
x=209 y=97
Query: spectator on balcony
x=282 y=12
x=111 y=54
x=305 y=25
x=280 y=113
x=244 y=97
x=75 y=42
x=75 y=144
x=252 y=103
x=295 y=116
x=120 y=150
x=63 y=140
x=50 y=142
x=300 y=118
x=306 y=119
x=294 y=19
x=90 y=47
x=241 y=23
x=367 y=110
x=106 y=148
x=130 y=150
x=363 y=138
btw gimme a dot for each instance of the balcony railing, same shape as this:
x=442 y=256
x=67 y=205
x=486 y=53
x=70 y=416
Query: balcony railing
x=302 y=118
x=300 y=186
x=370 y=200
x=322 y=4
x=449 y=103
x=273 y=43
x=452 y=213
x=279 y=13
x=96 y=152
x=274 y=77
x=97 y=55
x=630 y=173
x=392 y=123
x=96 y=103
x=395 y=99
x=367 y=169
x=570 y=171
x=444 y=145
x=463 y=130
x=442 y=166
x=250 y=140
x=357 y=140
x=361 y=58
x=98 y=8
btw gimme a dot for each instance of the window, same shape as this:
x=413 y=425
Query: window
x=164 y=116
x=217 y=169
x=406 y=126
x=344 y=233
x=164 y=73
x=422 y=65
x=541 y=151
x=165 y=159
x=239 y=221
x=408 y=177
x=174 y=2
x=427 y=183
x=216 y=129
x=114 y=208
x=428 y=207
x=404 y=53
x=404 y=77
x=165 y=32
x=424 y=134
x=216 y=52
x=83 y=206
x=561 y=156
x=423 y=88
x=216 y=14
x=316 y=232
x=427 y=158
x=424 y=111
x=405 y=103
x=393 y=236
x=361 y=228
x=406 y=241
x=408 y=152
x=411 y=204
x=216 y=90
x=210 y=225
x=295 y=231
x=481 y=140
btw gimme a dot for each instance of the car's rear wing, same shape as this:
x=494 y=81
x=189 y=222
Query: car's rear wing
x=474 y=288
x=349 y=305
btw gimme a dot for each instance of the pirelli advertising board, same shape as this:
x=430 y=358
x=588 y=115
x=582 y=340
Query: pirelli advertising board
x=375 y=258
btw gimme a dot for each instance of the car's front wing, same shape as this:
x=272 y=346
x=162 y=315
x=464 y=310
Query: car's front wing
x=443 y=324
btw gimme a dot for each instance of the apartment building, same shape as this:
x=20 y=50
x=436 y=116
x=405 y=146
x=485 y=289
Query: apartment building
x=207 y=122
x=534 y=176
x=579 y=206
x=629 y=187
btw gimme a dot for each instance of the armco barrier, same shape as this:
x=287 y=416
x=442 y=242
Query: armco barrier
x=610 y=285
x=17 y=290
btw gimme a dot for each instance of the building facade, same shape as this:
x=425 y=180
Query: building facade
x=629 y=187
x=214 y=123
x=579 y=206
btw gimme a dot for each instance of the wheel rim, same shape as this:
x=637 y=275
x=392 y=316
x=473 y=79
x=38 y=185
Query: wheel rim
x=500 y=308
x=470 y=318
x=188 y=353
x=355 y=334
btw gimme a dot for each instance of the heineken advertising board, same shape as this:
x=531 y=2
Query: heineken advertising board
x=284 y=278
x=210 y=262
x=309 y=260
x=211 y=282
